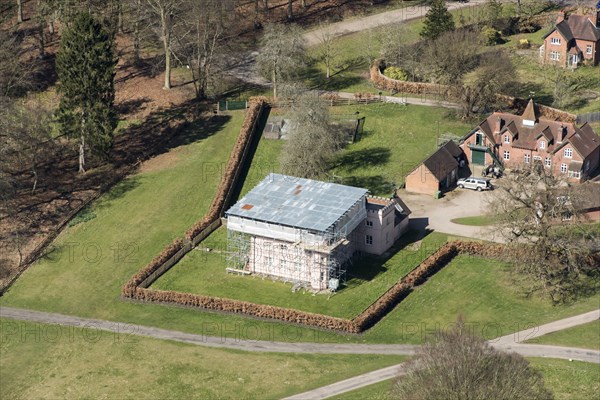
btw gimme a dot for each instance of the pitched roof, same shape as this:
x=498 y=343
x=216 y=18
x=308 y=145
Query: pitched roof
x=442 y=162
x=584 y=140
x=582 y=28
x=453 y=148
x=576 y=27
x=530 y=112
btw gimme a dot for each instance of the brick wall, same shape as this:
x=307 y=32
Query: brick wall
x=421 y=180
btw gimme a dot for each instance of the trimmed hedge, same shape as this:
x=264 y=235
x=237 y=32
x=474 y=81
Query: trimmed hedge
x=381 y=81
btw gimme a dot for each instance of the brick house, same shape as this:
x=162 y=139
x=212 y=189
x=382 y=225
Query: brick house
x=573 y=39
x=438 y=172
x=514 y=140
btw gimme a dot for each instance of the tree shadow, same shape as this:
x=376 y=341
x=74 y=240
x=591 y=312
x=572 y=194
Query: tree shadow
x=353 y=160
x=376 y=184
x=131 y=106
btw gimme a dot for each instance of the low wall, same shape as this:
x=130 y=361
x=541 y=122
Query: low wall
x=382 y=82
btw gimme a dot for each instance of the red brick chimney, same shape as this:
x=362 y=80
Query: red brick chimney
x=498 y=125
x=560 y=17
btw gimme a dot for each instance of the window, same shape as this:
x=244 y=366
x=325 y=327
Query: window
x=542 y=144
x=269 y=261
x=567 y=216
x=369 y=223
x=563 y=168
x=568 y=153
x=555 y=55
x=479 y=139
x=506 y=139
x=506 y=155
x=555 y=40
x=548 y=162
x=368 y=240
x=588 y=49
x=527 y=158
x=574 y=174
x=283 y=263
x=537 y=158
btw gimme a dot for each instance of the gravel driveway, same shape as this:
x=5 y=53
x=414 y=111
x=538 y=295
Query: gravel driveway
x=429 y=213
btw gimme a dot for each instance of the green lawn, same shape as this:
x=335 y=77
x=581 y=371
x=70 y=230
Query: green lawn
x=396 y=139
x=483 y=292
x=568 y=380
x=586 y=336
x=204 y=273
x=377 y=391
x=130 y=225
x=40 y=361
x=478 y=220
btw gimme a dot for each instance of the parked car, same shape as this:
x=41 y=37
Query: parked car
x=478 y=184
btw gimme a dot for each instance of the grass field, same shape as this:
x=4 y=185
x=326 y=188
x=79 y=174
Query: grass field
x=368 y=278
x=478 y=220
x=568 y=380
x=586 y=336
x=50 y=362
x=131 y=224
x=396 y=139
x=483 y=292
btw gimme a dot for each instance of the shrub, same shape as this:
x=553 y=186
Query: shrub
x=523 y=44
x=395 y=73
x=491 y=36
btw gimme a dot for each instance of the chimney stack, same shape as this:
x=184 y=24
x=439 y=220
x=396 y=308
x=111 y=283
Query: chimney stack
x=499 y=124
x=560 y=17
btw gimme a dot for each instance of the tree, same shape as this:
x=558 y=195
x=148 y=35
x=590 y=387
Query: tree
x=449 y=57
x=327 y=52
x=200 y=37
x=166 y=10
x=530 y=207
x=493 y=13
x=15 y=72
x=85 y=64
x=19 y=11
x=312 y=140
x=457 y=364
x=282 y=53
x=478 y=91
x=437 y=21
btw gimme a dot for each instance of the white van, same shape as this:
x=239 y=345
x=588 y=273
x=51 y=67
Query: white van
x=478 y=184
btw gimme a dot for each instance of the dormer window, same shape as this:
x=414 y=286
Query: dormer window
x=506 y=139
x=555 y=40
x=479 y=139
x=542 y=144
x=568 y=153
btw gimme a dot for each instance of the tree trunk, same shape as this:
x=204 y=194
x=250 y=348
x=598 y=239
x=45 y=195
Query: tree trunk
x=266 y=4
x=328 y=69
x=274 y=80
x=290 y=12
x=303 y=4
x=136 y=32
x=41 y=39
x=19 y=11
x=166 y=31
x=82 y=155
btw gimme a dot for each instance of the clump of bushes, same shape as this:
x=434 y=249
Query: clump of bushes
x=491 y=36
x=395 y=73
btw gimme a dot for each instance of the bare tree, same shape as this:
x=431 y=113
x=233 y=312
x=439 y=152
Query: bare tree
x=457 y=364
x=327 y=51
x=478 y=91
x=200 y=37
x=282 y=53
x=530 y=208
x=15 y=72
x=449 y=57
x=312 y=140
x=166 y=11
x=19 y=11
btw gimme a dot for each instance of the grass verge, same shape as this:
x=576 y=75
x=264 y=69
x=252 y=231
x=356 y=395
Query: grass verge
x=586 y=336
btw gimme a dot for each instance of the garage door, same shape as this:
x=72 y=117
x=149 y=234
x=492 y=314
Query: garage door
x=477 y=157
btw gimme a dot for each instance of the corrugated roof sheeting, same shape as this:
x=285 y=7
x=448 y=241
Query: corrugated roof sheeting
x=297 y=202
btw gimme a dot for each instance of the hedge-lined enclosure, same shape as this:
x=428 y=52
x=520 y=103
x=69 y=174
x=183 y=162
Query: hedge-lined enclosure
x=211 y=220
x=380 y=81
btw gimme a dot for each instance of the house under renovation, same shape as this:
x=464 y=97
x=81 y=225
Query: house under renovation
x=306 y=231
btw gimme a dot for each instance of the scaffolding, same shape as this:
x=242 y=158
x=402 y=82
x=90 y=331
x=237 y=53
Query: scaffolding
x=299 y=263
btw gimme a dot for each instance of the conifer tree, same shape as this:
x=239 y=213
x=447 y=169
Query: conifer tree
x=437 y=21
x=85 y=64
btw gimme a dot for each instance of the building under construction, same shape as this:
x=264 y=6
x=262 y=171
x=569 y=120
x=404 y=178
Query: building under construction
x=306 y=231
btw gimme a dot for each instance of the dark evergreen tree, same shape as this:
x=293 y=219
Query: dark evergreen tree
x=85 y=64
x=437 y=21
